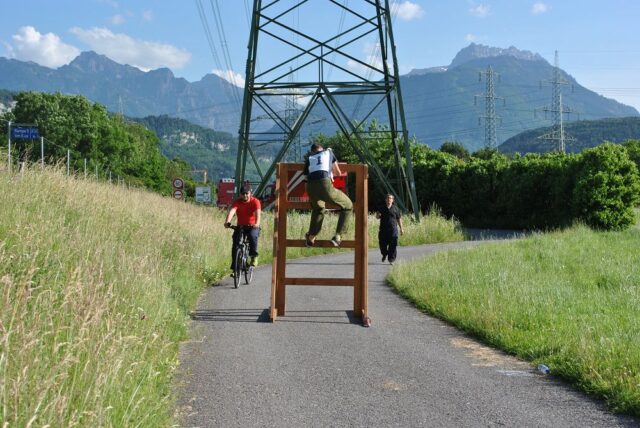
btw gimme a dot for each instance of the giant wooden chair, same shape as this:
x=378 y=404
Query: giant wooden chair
x=279 y=278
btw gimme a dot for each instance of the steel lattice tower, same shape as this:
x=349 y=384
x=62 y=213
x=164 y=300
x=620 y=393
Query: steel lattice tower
x=490 y=118
x=290 y=116
x=329 y=70
x=557 y=135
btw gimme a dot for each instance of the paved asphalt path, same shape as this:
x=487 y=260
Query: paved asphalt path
x=318 y=367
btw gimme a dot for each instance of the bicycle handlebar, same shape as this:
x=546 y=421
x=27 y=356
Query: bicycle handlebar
x=236 y=227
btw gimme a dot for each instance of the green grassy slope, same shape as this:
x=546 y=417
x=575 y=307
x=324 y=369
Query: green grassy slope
x=569 y=300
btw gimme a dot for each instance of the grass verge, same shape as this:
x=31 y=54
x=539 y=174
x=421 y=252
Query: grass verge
x=568 y=299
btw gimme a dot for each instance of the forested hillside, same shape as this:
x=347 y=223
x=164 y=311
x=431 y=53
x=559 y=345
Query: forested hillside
x=111 y=146
x=202 y=148
x=583 y=135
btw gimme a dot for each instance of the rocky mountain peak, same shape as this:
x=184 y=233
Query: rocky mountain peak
x=475 y=51
x=92 y=62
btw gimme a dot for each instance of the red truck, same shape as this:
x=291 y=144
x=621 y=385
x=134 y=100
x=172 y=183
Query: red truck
x=225 y=192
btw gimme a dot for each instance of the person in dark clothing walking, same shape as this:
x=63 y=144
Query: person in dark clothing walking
x=390 y=222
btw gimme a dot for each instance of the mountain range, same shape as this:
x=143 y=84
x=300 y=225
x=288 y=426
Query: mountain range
x=122 y=88
x=439 y=102
x=446 y=103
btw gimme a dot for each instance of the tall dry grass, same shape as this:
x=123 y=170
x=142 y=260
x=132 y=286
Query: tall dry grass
x=95 y=285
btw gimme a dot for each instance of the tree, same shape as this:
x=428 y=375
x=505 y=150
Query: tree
x=108 y=142
x=454 y=148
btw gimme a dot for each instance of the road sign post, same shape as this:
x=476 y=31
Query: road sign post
x=24 y=132
x=178 y=188
x=9 y=154
x=178 y=194
x=203 y=194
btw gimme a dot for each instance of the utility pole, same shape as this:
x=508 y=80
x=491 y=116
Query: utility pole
x=490 y=118
x=204 y=172
x=9 y=153
x=312 y=56
x=557 y=136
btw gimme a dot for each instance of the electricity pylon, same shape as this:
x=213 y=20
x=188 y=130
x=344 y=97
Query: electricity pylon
x=557 y=135
x=328 y=71
x=290 y=115
x=490 y=118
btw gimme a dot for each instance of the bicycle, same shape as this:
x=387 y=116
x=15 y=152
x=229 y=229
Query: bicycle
x=241 y=259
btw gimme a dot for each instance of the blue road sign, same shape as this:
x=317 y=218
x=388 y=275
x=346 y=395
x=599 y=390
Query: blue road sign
x=24 y=133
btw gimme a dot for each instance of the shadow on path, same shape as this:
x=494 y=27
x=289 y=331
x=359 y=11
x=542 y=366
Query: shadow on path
x=236 y=315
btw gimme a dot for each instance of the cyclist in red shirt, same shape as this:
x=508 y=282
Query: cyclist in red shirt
x=248 y=210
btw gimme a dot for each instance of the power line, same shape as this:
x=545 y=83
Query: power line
x=232 y=93
x=215 y=7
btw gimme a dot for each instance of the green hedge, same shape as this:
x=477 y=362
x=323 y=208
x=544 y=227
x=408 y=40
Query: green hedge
x=600 y=186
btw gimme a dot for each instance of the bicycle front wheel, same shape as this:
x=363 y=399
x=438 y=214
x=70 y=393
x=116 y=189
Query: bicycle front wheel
x=248 y=274
x=238 y=268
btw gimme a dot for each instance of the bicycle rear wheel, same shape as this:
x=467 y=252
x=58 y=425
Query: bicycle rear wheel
x=248 y=274
x=238 y=268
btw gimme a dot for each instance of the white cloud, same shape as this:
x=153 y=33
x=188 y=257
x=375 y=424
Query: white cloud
x=481 y=10
x=44 y=49
x=372 y=57
x=539 y=8
x=127 y=50
x=147 y=15
x=407 y=10
x=471 y=37
x=117 y=19
x=230 y=76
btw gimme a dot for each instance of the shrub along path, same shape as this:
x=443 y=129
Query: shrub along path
x=318 y=367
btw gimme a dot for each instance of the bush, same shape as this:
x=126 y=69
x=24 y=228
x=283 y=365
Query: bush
x=633 y=150
x=607 y=188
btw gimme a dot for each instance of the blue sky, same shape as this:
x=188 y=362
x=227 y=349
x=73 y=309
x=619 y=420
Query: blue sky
x=598 y=42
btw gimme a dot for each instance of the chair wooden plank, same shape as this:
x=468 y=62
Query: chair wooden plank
x=359 y=235
x=348 y=282
x=274 y=263
x=281 y=265
x=320 y=243
x=365 y=243
x=307 y=206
